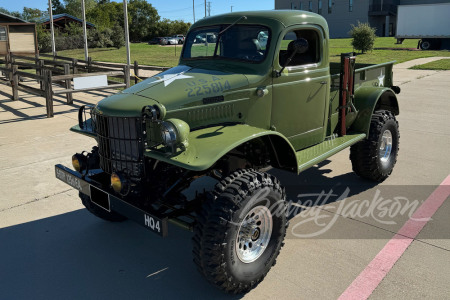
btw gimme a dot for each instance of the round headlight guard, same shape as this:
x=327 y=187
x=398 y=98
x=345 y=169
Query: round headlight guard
x=169 y=135
x=175 y=134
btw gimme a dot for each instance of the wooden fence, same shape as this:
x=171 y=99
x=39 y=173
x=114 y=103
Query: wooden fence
x=60 y=71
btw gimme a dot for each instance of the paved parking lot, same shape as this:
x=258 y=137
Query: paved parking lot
x=52 y=248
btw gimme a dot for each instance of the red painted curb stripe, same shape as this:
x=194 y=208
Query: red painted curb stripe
x=364 y=285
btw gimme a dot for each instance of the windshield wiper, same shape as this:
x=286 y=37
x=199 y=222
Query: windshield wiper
x=223 y=31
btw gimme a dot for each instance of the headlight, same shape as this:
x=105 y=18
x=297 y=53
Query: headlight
x=175 y=134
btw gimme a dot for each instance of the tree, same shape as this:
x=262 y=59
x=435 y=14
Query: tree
x=106 y=15
x=32 y=14
x=363 y=36
x=143 y=16
x=73 y=7
x=57 y=7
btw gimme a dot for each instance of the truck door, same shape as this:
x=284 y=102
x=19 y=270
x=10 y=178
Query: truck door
x=301 y=91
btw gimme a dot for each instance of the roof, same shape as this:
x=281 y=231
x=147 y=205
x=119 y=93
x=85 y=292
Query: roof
x=283 y=17
x=62 y=16
x=11 y=18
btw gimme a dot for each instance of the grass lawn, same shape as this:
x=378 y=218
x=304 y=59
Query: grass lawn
x=385 y=50
x=442 y=64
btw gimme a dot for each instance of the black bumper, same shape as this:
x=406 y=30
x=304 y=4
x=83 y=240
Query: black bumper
x=110 y=202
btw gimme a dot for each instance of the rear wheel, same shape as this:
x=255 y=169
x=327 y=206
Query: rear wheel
x=425 y=45
x=375 y=157
x=100 y=212
x=240 y=230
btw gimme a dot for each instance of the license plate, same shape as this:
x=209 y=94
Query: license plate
x=112 y=203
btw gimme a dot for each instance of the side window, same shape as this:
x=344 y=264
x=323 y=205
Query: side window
x=2 y=33
x=312 y=55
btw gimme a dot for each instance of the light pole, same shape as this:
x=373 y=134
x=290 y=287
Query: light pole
x=50 y=12
x=127 y=35
x=83 y=8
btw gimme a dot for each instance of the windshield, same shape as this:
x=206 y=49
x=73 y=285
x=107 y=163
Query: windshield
x=241 y=42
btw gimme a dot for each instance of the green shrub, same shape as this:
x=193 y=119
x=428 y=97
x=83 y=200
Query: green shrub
x=118 y=36
x=363 y=37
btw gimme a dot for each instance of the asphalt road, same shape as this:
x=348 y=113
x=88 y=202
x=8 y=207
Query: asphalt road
x=50 y=247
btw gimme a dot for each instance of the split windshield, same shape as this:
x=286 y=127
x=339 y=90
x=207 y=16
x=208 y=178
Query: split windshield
x=239 y=42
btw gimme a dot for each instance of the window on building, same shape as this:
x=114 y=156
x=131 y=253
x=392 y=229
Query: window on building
x=301 y=6
x=310 y=6
x=312 y=55
x=2 y=33
x=319 y=7
x=292 y=5
x=350 y=5
x=330 y=3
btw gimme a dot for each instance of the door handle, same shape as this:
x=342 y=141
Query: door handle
x=323 y=82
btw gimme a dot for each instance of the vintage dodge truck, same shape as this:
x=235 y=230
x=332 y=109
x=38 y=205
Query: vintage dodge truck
x=260 y=93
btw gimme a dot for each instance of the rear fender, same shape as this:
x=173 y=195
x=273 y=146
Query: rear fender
x=208 y=145
x=369 y=99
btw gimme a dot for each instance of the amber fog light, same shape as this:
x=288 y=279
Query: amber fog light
x=117 y=182
x=79 y=162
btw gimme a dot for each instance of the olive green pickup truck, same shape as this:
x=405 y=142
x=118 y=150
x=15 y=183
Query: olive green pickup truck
x=258 y=92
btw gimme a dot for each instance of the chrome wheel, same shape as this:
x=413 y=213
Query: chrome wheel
x=254 y=234
x=385 y=146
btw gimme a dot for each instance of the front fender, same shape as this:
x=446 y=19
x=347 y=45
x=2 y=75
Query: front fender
x=208 y=145
x=366 y=100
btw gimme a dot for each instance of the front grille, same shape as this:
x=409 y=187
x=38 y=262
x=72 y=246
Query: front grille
x=120 y=144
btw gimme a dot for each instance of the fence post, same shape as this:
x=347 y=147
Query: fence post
x=136 y=72
x=68 y=83
x=15 y=83
x=126 y=75
x=48 y=92
x=36 y=61
x=89 y=62
x=40 y=71
x=75 y=65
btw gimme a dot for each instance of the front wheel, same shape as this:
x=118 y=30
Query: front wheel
x=240 y=230
x=375 y=157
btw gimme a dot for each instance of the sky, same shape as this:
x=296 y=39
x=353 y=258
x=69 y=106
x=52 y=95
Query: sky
x=169 y=9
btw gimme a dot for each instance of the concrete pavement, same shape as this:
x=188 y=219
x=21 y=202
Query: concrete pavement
x=52 y=248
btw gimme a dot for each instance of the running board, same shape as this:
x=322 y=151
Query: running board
x=311 y=156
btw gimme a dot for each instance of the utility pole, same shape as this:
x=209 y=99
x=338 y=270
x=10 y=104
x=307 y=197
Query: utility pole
x=209 y=8
x=193 y=9
x=127 y=35
x=205 y=8
x=50 y=12
x=83 y=9
x=231 y=8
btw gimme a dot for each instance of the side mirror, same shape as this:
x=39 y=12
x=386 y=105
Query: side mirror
x=299 y=46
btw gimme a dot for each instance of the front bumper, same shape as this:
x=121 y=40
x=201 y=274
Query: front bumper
x=105 y=200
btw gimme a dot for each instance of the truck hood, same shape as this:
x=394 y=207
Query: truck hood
x=176 y=88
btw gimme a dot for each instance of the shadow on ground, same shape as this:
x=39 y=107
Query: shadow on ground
x=77 y=256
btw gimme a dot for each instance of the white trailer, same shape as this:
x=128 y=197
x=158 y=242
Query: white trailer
x=428 y=22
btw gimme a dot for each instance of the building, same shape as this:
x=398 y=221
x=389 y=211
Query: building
x=17 y=36
x=61 y=20
x=340 y=14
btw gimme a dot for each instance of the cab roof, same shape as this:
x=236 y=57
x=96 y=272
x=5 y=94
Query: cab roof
x=284 y=17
